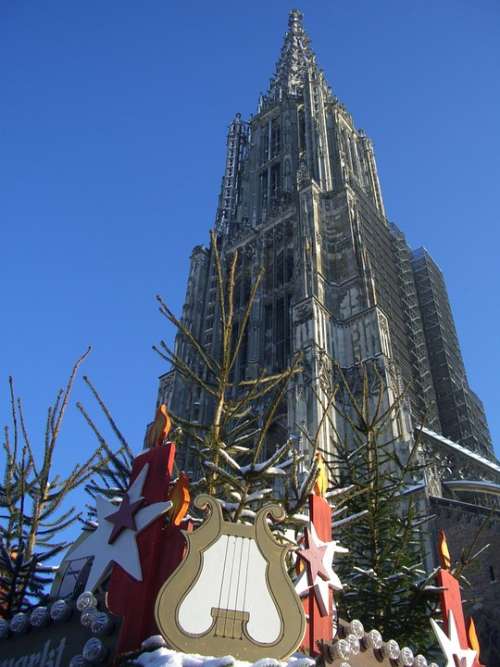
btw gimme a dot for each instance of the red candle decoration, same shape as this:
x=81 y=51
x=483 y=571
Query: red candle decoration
x=161 y=545
x=451 y=600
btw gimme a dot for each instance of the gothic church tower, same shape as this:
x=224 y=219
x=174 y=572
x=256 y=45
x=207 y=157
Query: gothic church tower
x=301 y=197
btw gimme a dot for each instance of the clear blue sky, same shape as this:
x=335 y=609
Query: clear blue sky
x=113 y=118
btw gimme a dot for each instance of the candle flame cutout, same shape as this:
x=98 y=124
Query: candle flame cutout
x=160 y=428
x=321 y=484
x=180 y=498
x=444 y=553
x=472 y=637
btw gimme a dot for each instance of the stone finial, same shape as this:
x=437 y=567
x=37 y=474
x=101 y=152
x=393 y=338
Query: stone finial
x=295 y=18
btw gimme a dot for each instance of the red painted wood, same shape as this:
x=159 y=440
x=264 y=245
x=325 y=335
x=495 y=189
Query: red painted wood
x=161 y=548
x=318 y=627
x=451 y=600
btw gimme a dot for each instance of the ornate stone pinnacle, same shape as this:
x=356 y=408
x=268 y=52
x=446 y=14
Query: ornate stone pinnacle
x=296 y=61
x=295 y=20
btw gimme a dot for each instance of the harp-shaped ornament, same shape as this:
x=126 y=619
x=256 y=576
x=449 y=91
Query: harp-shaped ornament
x=232 y=593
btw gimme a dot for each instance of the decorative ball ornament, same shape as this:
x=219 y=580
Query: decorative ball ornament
x=373 y=639
x=88 y=616
x=392 y=649
x=86 y=600
x=341 y=649
x=20 y=623
x=78 y=661
x=356 y=628
x=406 y=658
x=420 y=661
x=95 y=651
x=60 y=611
x=40 y=617
x=102 y=624
x=354 y=644
x=4 y=628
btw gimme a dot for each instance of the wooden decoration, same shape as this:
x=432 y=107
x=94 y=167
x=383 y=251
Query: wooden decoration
x=473 y=641
x=232 y=594
x=161 y=548
x=451 y=600
x=451 y=645
x=455 y=633
x=444 y=552
x=116 y=538
x=160 y=428
x=317 y=582
x=321 y=484
x=181 y=499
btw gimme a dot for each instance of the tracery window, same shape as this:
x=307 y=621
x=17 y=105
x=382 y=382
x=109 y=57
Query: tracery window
x=275 y=137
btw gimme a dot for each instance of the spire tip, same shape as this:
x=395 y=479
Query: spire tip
x=295 y=18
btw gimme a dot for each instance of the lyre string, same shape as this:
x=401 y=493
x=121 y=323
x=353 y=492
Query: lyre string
x=222 y=580
x=230 y=585
x=238 y=583
x=246 y=574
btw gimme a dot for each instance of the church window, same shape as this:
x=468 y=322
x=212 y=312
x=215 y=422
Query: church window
x=280 y=333
x=243 y=355
x=263 y=189
x=302 y=130
x=279 y=269
x=247 y=287
x=275 y=137
x=264 y=144
x=288 y=317
x=289 y=265
x=268 y=334
x=287 y=186
x=275 y=180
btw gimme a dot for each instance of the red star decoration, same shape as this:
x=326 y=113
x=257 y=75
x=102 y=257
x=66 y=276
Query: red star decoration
x=313 y=556
x=124 y=517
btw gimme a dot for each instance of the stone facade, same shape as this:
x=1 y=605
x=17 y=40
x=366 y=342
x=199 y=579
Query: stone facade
x=301 y=197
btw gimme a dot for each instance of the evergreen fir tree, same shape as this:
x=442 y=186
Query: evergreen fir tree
x=238 y=460
x=32 y=495
x=112 y=475
x=386 y=584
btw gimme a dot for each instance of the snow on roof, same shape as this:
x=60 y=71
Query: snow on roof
x=478 y=484
x=463 y=450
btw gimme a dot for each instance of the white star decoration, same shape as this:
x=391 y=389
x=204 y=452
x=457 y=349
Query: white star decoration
x=450 y=645
x=321 y=585
x=123 y=549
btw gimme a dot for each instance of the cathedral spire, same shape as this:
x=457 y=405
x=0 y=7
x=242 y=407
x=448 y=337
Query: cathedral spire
x=295 y=63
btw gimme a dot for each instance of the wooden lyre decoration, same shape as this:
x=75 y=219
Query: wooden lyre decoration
x=232 y=594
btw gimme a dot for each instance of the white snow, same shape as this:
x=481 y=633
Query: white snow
x=479 y=484
x=164 y=657
x=463 y=450
x=348 y=519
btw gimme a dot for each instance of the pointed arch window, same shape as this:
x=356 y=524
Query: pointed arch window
x=275 y=137
x=302 y=129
